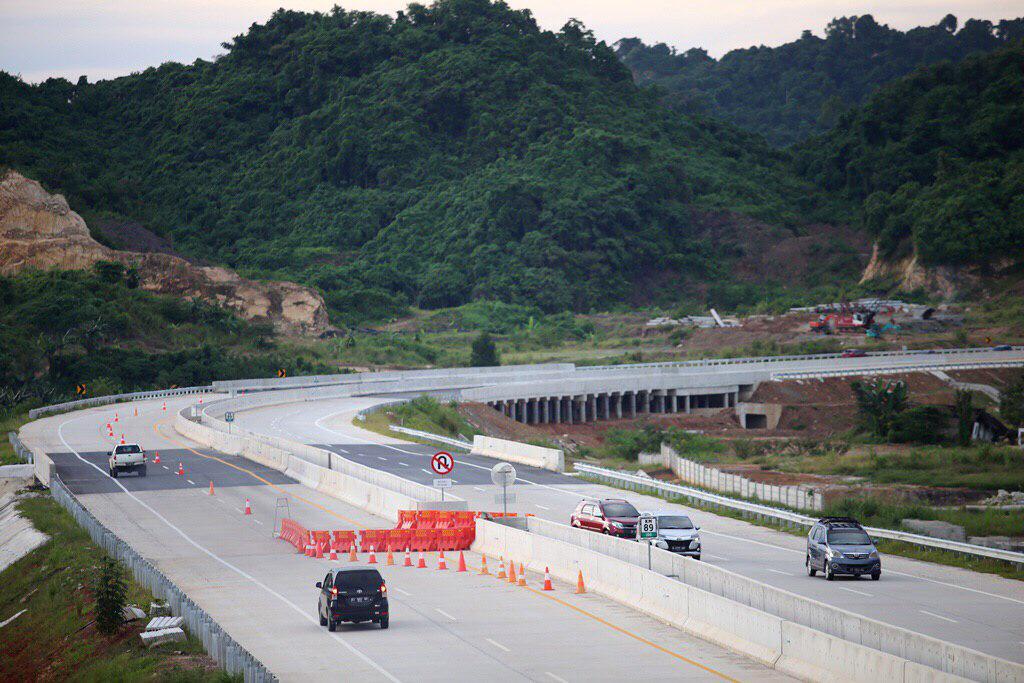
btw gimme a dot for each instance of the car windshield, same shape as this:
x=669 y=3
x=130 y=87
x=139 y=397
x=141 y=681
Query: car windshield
x=128 y=449
x=620 y=510
x=848 y=537
x=674 y=522
x=367 y=579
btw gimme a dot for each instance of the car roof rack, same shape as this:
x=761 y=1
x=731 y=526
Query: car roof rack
x=838 y=520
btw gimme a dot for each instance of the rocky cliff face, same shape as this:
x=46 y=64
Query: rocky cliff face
x=39 y=230
x=911 y=274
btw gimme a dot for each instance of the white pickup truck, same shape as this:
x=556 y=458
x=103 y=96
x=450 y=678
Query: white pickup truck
x=127 y=457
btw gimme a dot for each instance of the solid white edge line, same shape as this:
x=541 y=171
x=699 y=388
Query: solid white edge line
x=553 y=677
x=384 y=672
x=443 y=613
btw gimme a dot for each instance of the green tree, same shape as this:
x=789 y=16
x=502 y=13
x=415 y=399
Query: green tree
x=964 y=409
x=879 y=403
x=484 y=352
x=111 y=594
x=1011 y=403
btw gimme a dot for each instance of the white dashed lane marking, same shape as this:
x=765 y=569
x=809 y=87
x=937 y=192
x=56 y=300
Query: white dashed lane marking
x=497 y=645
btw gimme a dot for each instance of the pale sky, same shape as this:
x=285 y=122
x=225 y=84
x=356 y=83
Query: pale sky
x=108 y=38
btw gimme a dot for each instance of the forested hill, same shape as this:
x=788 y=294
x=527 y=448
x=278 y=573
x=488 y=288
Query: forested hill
x=790 y=92
x=937 y=159
x=451 y=153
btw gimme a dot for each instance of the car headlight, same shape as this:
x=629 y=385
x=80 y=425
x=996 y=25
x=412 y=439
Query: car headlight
x=831 y=554
x=661 y=543
x=695 y=543
x=873 y=555
x=617 y=525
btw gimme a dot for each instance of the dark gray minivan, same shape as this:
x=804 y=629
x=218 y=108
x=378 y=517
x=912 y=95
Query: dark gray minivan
x=839 y=545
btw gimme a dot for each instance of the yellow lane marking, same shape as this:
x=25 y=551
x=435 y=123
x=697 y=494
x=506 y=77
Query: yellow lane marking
x=623 y=631
x=252 y=474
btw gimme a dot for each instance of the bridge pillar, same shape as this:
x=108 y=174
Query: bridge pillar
x=617 y=402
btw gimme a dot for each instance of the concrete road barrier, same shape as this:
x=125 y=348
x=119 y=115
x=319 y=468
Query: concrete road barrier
x=522 y=453
x=379 y=493
x=922 y=652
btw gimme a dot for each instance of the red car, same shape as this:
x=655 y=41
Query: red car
x=612 y=516
x=854 y=353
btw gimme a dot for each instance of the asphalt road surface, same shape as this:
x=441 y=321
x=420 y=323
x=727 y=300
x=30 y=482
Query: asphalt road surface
x=445 y=626
x=980 y=611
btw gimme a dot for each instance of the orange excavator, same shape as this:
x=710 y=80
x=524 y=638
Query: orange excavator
x=843 y=321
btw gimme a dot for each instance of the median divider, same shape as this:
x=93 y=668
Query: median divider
x=379 y=493
x=756 y=619
x=521 y=453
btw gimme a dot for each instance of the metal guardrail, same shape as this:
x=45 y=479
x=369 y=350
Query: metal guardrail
x=234 y=658
x=457 y=443
x=851 y=372
x=19 y=448
x=114 y=398
x=786 y=517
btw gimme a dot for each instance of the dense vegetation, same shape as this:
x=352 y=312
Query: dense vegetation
x=453 y=153
x=62 y=329
x=937 y=161
x=790 y=92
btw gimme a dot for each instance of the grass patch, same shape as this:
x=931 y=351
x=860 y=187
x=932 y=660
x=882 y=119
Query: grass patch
x=56 y=639
x=424 y=413
x=10 y=422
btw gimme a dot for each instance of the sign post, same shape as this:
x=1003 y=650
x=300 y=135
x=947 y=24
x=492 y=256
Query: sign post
x=503 y=475
x=647 y=530
x=229 y=417
x=442 y=463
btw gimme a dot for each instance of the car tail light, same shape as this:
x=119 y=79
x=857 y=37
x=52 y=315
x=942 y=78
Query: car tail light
x=383 y=589
x=334 y=591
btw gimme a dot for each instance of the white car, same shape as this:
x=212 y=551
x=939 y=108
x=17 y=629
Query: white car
x=127 y=457
x=677 y=534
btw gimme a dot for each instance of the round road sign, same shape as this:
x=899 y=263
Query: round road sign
x=503 y=474
x=442 y=462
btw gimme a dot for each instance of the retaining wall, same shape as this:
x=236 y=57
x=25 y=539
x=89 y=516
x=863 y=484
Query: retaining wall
x=522 y=453
x=931 y=653
x=717 y=480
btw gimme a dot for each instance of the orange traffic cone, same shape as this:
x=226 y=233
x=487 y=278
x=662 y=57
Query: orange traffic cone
x=501 y=569
x=334 y=554
x=110 y=434
x=580 y=588
x=309 y=550
x=462 y=563
x=211 y=488
x=115 y=417
x=547 y=580
x=319 y=551
x=408 y=559
x=156 y=457
x=441 y=564
x=483 y=567
x=522 y=575
x=373 y=556
x=420 y=564
x=391 y=557
x=122 y=438
x=181 y=470
x=352 y=553
x=136 y=412
x=164 y=406
x=512 y=572
x=248 y=507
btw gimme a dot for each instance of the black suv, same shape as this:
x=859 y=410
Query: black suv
x=352 y=594
x=839 y=545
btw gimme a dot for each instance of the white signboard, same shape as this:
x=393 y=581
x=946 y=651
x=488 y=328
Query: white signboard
x=647 y=527
x=442 y=483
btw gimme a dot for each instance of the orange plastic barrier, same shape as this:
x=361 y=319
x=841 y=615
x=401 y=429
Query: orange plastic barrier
x=407 y=519
x=427 y=519
x=343 y=540
x=294 y=533
x=445 y=519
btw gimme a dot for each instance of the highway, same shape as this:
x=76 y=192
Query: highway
x=980 y=611
x=445 y=625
